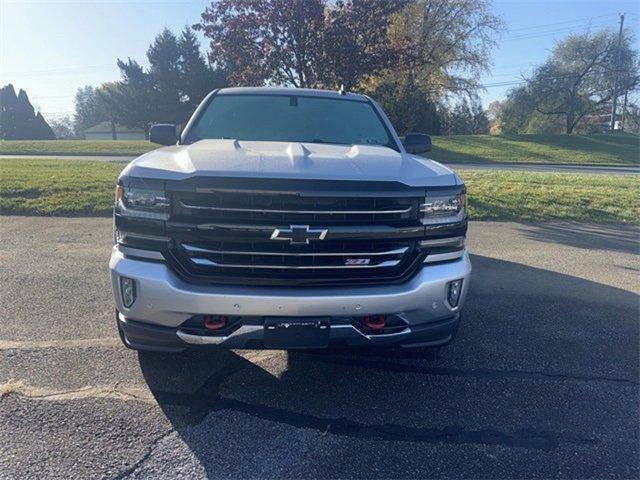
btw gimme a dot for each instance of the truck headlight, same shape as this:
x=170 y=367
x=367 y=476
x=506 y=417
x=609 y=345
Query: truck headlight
x=143 y=203
x=443 y=208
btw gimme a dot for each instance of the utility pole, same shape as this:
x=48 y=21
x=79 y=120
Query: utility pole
x=614 y=105
x=624 y=111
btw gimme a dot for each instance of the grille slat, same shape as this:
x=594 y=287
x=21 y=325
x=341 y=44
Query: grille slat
x=211 y=263
x=283 y=209
x=296 y=212
x=192 y=248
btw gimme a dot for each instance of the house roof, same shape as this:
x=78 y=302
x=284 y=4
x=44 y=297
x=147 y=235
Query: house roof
x=105 y=127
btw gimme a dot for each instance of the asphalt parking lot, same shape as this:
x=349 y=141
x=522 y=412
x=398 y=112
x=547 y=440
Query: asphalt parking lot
x=542 y=380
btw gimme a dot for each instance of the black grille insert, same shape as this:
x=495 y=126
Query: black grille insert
x=276 y=263
x=283 y=209
x=227 y=236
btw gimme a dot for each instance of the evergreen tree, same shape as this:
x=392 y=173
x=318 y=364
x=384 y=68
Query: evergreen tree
x=41 y=129
x=197 y=79
x=134 y=96
x=8 y=107
x=18 y=120
x=164 y=60
x=467 y=118
x=177 y=80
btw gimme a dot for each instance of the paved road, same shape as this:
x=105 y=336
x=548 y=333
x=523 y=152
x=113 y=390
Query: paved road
x=455 y=166
x=541 y=382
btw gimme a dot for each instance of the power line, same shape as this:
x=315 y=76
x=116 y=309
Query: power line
x=510 y=74
x=52 y=96
x=575 y=20
x=554 y=32
x=82 y=70
x=502 y=84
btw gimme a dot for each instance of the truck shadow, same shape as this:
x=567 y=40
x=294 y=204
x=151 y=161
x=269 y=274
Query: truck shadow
x=523 y=327
x=617 y=238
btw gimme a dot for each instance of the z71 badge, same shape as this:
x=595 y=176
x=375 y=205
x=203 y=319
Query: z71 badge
x=357 y=261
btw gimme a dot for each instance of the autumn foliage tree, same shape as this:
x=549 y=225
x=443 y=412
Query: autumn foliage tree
x=301 y=43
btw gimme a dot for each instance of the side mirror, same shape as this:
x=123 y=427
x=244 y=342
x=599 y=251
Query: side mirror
x=164 y=134
x=417 y=143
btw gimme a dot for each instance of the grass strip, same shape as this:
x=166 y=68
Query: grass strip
x=596 y=149
x=81 y=188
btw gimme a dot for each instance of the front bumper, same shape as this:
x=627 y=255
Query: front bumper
x=164 y=302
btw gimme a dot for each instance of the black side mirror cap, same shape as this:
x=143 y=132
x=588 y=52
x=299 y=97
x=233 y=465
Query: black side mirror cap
x=164 y=134
x=417 y=143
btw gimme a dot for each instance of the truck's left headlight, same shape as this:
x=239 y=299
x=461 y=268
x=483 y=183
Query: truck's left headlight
x=143 y=203
x=443 y=208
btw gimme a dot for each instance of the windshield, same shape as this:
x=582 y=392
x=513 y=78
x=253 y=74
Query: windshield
x=291 y=118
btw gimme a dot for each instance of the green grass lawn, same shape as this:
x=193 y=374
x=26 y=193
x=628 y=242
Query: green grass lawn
x=71 y=187
x=75 y=147
x=538 y=196
x=57 y=187
x=620 y=149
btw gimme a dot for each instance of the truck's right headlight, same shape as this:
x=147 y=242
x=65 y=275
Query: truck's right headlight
x=443 y=208
x=142 y=203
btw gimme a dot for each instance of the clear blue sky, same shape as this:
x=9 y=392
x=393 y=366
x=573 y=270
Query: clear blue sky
x=50 y=48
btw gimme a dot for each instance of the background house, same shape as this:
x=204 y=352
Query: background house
x=107 y=131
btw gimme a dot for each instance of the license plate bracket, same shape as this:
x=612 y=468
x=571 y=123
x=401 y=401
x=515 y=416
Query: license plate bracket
x=296 y=332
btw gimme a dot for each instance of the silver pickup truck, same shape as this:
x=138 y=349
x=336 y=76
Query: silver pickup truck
x=288 y=218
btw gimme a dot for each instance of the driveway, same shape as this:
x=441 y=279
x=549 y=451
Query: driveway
x=541 y=382
x=528 y=167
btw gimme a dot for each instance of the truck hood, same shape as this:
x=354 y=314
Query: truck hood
x=289 y=160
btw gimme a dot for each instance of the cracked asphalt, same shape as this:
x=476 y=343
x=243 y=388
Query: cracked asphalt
x=542 y=380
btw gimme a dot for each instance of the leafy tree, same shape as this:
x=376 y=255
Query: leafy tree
x=90 y=109
x=446 y=47
x=408 y=107
x=356 y=41
x=18 y=120
x=632 y=124
x=516 y=111
x=62 y=127
x=449 y=43
x=576 y=81
x=494 y=115
x=302 y=43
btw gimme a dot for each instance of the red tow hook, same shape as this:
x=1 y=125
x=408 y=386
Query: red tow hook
x=212 y=322
x=375 y=322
